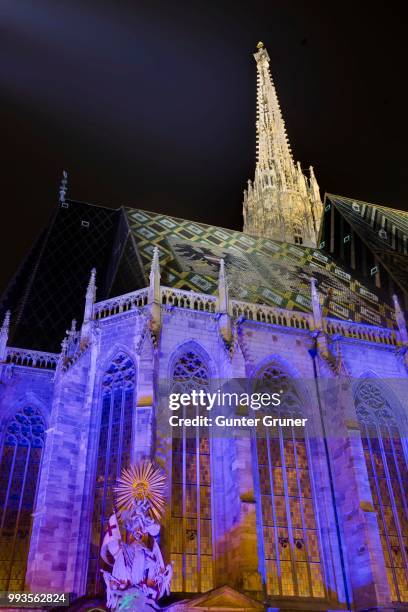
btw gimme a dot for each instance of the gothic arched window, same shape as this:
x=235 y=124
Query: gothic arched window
x=114 y=447
x=19 y=471
x=191 y=529
x=388 y=476
x=291 y=544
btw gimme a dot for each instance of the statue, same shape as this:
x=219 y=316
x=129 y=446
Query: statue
x=139 y=577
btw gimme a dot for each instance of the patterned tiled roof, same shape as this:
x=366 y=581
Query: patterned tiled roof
x=49 y=289
x=384 y=230
x=259 y=270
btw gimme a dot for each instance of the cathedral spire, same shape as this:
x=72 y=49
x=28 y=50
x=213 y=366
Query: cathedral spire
x=4 y=334
x=273 y=149
x=281 y=203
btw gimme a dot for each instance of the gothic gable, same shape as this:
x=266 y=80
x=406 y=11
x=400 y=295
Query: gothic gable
x=223 y=599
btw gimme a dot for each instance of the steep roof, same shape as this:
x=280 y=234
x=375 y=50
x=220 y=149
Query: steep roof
x=383 y=230
x=259 y=270
x=49 y=289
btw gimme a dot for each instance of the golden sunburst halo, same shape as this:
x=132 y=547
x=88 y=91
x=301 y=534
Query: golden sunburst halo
x=141 y=482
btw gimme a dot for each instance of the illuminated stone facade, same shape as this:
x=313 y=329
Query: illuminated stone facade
x=309 y=520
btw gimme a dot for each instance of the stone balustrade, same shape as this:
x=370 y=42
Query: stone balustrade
x=271 y=314
x=122 y=303
x=262 y=313
x=360 y=331
x=31 y=359
x=188 y=299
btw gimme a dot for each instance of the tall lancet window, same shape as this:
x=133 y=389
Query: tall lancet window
x=191 y=529
x=19 y=471
x=114 y=448
x=388 y=475
x=287 y=515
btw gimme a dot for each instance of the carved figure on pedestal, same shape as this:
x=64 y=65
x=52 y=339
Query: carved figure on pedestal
x=139 y=577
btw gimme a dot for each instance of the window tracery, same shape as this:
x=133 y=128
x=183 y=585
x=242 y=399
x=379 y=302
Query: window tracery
x=191 y=519
x=291 y=541
x=19 y=472
x=388 y=476
x=114 y=448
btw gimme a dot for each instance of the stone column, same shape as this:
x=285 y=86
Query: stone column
x=56 y=516
x=235 y=502
x=358 y=522
x=142 y=436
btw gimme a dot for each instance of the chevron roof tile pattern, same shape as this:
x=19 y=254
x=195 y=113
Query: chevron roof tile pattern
x=384 y=230
x=259 y=270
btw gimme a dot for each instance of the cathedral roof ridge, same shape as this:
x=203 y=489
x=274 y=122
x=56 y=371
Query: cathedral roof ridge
x=143 y=210
x=92 y=204
x=350 y=200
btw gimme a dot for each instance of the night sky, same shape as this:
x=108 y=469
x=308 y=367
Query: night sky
x=152 y=104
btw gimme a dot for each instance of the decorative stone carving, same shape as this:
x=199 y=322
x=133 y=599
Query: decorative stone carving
x=4 y=333
x=223 y=314
x=139 y=577
x=63 y=187
x=89 y=304
x=154 y=295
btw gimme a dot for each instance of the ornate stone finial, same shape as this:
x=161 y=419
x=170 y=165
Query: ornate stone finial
x=4 y=334
x=6 y=322
x=71 y=341
x=64 y=346
x=223 y=297
x=316 y=306
x=89 y=303
x=399 y=315
x=154 y=288
x=223 y=307
x=155 y=261
x=154 y=299
x=91 y=289
x=63 y=186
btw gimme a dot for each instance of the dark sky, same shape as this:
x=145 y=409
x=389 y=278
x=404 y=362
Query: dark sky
x=152 y=104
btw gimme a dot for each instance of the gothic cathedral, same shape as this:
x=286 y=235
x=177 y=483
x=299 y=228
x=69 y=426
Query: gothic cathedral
x=114 y=309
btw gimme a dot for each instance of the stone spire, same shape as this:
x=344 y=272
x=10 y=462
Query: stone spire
x=4 y=334
x=223 y=298
x=399 y=315
x=281 y=203
x=316 y=306
x=273 y=149
x=154 y=286
x=224 y=318
x=89 y=302
x=154 y=300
